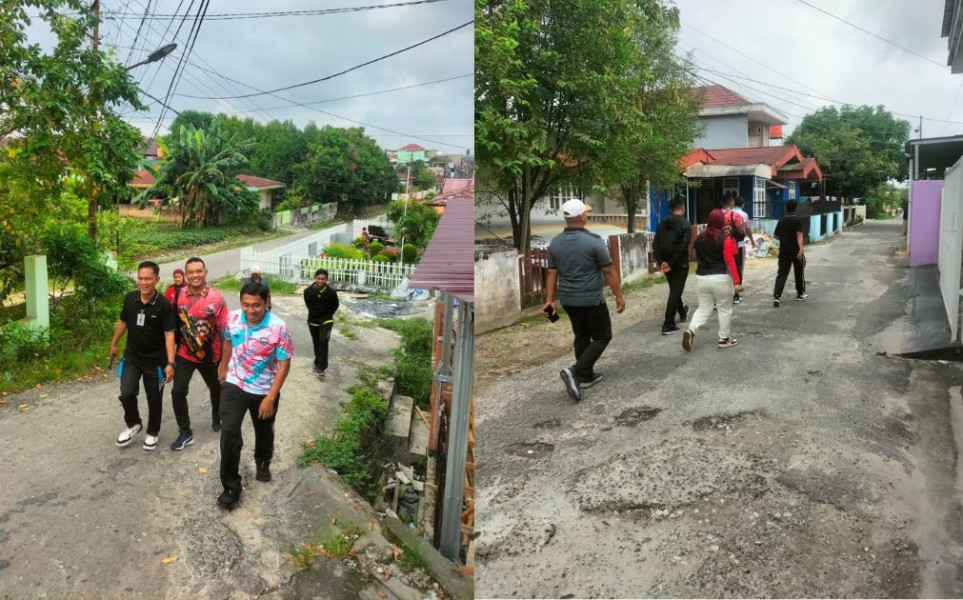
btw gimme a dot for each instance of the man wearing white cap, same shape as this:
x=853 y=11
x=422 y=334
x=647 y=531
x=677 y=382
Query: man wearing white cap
x=256 y=278
x=578 y=262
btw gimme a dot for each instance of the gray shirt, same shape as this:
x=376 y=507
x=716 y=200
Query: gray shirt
x=579 y=255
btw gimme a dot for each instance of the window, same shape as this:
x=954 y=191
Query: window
x=792 y=190
x=561 y=195
x=760 y=206
x=730 y=185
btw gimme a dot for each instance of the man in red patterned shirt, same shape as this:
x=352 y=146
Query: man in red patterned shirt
x=201 y=318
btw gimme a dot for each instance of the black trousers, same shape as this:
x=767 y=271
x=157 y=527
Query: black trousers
x=740 y=260
x=593 y=332
x=798 y=268
x=320 y=336
x=676 y=279
x=131 y=372
x=234 y=403
x=182 y=380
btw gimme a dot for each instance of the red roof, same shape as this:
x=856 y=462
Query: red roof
x=411 y=148
x=444 y=198
x=802 y=170
x=774 y=156
x=258 y=182
x=151 y=148
x=452 y=185
x=717 y=96
x=449 y=261
x=143 y=178
x=696 y=155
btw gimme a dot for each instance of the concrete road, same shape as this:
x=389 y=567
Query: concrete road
x=804 y=462
x=82 y=518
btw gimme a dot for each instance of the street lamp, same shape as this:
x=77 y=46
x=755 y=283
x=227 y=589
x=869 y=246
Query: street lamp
x=155 y=56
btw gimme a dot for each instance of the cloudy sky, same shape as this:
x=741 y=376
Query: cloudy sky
x=240 y=56
x=796 y=54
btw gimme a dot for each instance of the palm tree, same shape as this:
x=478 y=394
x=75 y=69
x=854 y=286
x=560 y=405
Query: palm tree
x=197 y=172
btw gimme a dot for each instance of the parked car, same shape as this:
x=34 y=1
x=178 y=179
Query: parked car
x=376 y=233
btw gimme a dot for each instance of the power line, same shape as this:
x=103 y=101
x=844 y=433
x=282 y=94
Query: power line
x=287 y=13
x=332 y=76
x=877 y=36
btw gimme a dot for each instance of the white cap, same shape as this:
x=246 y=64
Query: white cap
x=255 y=269
x=574 y=208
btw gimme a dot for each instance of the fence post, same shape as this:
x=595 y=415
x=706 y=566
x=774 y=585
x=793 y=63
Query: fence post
x=616 y=251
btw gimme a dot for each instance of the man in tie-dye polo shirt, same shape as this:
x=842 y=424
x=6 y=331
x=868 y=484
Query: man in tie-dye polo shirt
x=255 y=361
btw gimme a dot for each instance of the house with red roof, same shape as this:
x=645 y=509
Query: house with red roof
x=411 y=153
x=268 y=190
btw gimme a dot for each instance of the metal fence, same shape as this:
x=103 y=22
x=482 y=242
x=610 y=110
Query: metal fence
x=300 y=268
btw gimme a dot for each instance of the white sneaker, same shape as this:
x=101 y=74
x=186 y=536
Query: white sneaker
x=128 y=434
x=150 y=442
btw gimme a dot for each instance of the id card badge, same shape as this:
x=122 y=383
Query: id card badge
x=140 y=319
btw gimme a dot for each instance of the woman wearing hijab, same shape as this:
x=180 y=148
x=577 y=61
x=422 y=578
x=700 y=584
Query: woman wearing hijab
x=717 y=281
x=174 y=290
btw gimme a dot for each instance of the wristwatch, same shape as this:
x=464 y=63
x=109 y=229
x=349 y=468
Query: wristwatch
x=170 y=364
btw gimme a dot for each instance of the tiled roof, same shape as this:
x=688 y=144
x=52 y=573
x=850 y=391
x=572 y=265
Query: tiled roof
x=449 y=261
x=258 y=182
x=411 y=148
x=151 y=148
x=774 y=156
x=452 y=185
x=696 y=155
x=444 y=198
x=143 y=179
x=717 y=96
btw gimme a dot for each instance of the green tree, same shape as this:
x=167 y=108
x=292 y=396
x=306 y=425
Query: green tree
x=415 y=223
x=198 y=172
x=669 y=118
x=199 y=119
x=63 y=139
x=279 y=149
x=883 y=201
x=425 y=179
x=555 y=82
x=858 y=148
x=345 y=165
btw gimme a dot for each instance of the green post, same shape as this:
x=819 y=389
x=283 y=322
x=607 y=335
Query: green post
x=38 y=304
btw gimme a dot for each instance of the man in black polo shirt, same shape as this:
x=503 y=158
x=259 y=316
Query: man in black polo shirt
x=148 y=319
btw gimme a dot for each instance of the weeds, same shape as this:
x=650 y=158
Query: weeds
x=278 y=286
x=346 y=332
x=301 y=555
x=413 y=372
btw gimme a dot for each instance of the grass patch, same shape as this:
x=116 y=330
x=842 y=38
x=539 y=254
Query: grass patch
x=354 y=451
x=411 y=557
x=147 y=239
x=642 y=284
x=413 y=372
x=302 y=556
x=347 y=332
x=279 y=287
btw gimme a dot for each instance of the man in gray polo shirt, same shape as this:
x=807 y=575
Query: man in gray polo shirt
x=578 y=262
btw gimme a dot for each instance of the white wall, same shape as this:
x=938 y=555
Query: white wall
x=724 y=132
x=497 y=290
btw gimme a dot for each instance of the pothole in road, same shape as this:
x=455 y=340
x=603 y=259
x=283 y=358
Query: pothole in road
x=631 y=417
x=724 y=420
x=531 y=449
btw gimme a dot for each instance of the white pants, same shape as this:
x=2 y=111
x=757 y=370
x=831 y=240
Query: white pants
x=713 y=290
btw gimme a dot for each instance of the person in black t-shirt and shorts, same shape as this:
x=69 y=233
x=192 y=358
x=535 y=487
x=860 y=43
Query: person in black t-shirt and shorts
x=148 y=318
x=789 y=233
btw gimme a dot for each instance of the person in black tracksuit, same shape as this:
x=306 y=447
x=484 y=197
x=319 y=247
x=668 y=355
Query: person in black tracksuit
x=671 y=249
x=322 y=302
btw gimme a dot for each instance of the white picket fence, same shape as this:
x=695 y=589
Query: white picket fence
x=299 y=268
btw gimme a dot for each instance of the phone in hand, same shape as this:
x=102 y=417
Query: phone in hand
x=551 y=313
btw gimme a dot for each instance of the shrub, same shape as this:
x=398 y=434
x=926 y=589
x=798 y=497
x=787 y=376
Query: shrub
x=375 y=248
x=391 y=253
x=413 y=372
x=380 y=258
x=343 y=251
x=358 y=242
x=409 y=253
x=21 y=343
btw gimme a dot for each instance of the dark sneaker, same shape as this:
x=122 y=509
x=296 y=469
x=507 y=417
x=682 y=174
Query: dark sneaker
x=727 y=342
x=737 y=299
x=127 y=435
x=684 y=315
x=669 y=330
x=687 y=336
x=318 y=370
x=589 y=383
x=775 y=302
x=263 y=471
x=571 y=384
x=215 y=424
x=184 y=439
x=228 y=499
x=803 y=296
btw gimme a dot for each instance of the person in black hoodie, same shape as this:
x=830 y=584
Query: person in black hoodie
x=322 y=302
x=671 y=250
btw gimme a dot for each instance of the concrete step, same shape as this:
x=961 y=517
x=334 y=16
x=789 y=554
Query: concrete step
x=398 y=428
x=418 y=440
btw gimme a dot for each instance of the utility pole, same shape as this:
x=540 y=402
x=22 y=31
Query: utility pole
x=921 y=127
x=401 y=257
x=92 y=200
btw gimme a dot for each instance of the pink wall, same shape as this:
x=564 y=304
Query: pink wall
x=925 y=222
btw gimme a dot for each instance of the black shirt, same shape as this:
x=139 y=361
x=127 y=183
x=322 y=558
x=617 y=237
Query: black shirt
x=145 y=335
x=786 y=230
x=321 y=304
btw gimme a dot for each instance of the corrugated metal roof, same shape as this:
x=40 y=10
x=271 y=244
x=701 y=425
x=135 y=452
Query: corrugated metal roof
x=449 y=261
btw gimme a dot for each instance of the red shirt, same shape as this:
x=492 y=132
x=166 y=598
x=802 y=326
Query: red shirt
x=201 y=320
